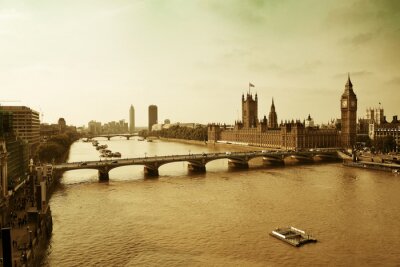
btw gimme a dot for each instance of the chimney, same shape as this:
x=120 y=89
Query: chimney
x=395 y=119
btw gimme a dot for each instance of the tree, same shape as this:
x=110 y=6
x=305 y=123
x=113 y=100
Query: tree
x=49 y=151
x=56 y=147
x=198 y=133
x=364 y=139
x=384 y=144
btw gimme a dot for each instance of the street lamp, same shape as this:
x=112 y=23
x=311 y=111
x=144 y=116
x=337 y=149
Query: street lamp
x=145 y=154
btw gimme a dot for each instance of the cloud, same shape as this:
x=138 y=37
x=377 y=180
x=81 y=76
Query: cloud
x=259 y=65
x=362 y=73
x=10 y=14
x=35 y=68
x=361 y=38
x=247 y=12
x=383 y=13
x=394 y=81
x=304 y=68
x=9 y=19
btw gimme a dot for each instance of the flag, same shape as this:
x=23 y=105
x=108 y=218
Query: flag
x=379 y=103
x=251 y=85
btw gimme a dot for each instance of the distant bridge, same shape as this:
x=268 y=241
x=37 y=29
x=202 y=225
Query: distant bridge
x=109 y=136
x=197 y=162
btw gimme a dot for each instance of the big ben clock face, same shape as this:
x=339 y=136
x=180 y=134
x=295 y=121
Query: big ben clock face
x=353 y=103
x=344 y=103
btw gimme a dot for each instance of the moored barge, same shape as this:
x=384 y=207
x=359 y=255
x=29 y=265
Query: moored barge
x=293 y=236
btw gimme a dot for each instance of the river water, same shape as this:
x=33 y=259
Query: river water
x=221 y=217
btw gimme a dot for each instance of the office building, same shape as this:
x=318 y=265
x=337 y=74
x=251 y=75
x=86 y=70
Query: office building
x=153 y=116
x=132 y=120
x=26 y=123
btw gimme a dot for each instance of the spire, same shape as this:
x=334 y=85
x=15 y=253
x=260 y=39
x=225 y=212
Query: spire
x=349 y=84
x=272 y=106
x=348 y=89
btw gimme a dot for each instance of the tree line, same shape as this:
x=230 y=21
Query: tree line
x=382 y=144
x=198 y=133
x=56 y=147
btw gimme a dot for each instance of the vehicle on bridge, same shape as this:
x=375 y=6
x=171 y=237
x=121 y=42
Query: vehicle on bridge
x=116 y=154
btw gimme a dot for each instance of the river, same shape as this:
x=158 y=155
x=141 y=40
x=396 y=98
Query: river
x=221 y=217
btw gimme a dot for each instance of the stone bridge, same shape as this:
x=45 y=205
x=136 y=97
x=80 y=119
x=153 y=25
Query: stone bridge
x=109 y=136
x=197 y=162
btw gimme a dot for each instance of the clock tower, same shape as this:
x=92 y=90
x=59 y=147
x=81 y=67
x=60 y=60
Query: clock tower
x=348 y=106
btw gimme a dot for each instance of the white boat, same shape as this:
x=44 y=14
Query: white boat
x=293 y=236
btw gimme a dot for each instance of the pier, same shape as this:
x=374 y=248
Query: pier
x=391 y=167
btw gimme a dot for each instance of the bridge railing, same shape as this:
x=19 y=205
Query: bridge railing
x=215 y=155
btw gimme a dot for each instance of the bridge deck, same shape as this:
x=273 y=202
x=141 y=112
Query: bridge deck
x=204 y=157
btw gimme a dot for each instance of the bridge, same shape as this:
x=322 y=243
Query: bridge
x=197 y=162
x=109 y=136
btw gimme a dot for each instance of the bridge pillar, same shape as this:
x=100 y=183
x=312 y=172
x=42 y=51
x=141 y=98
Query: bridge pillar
x=326 y=157
x=238 y=164
x=273 y=161
x=193 y=167
x=103 y=175
x=151 y=171
x=108 y=137
x=128 y=137
x=197 y=165
x=301 y=159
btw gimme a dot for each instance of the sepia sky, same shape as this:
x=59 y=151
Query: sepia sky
x=85 y=60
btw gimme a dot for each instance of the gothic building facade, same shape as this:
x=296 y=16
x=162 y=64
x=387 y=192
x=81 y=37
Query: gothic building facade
x=289 y=134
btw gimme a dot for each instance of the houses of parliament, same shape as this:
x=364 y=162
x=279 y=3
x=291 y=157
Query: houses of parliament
x=289 y=134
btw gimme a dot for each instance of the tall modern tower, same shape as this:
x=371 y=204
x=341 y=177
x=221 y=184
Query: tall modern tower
x=348 y=104
x=131 y=120
x=153 y=117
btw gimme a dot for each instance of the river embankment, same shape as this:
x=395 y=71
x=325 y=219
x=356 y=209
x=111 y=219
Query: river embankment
x=30 y=244
x=227 y=146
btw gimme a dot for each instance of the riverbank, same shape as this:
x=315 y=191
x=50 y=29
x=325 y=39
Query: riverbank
x=389 y=167
x=29 y=222
x=226 y=146
x=29 y=227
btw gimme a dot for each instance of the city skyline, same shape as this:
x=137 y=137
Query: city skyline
x=102 y=57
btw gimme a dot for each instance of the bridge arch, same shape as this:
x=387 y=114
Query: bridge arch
x=79 y=175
